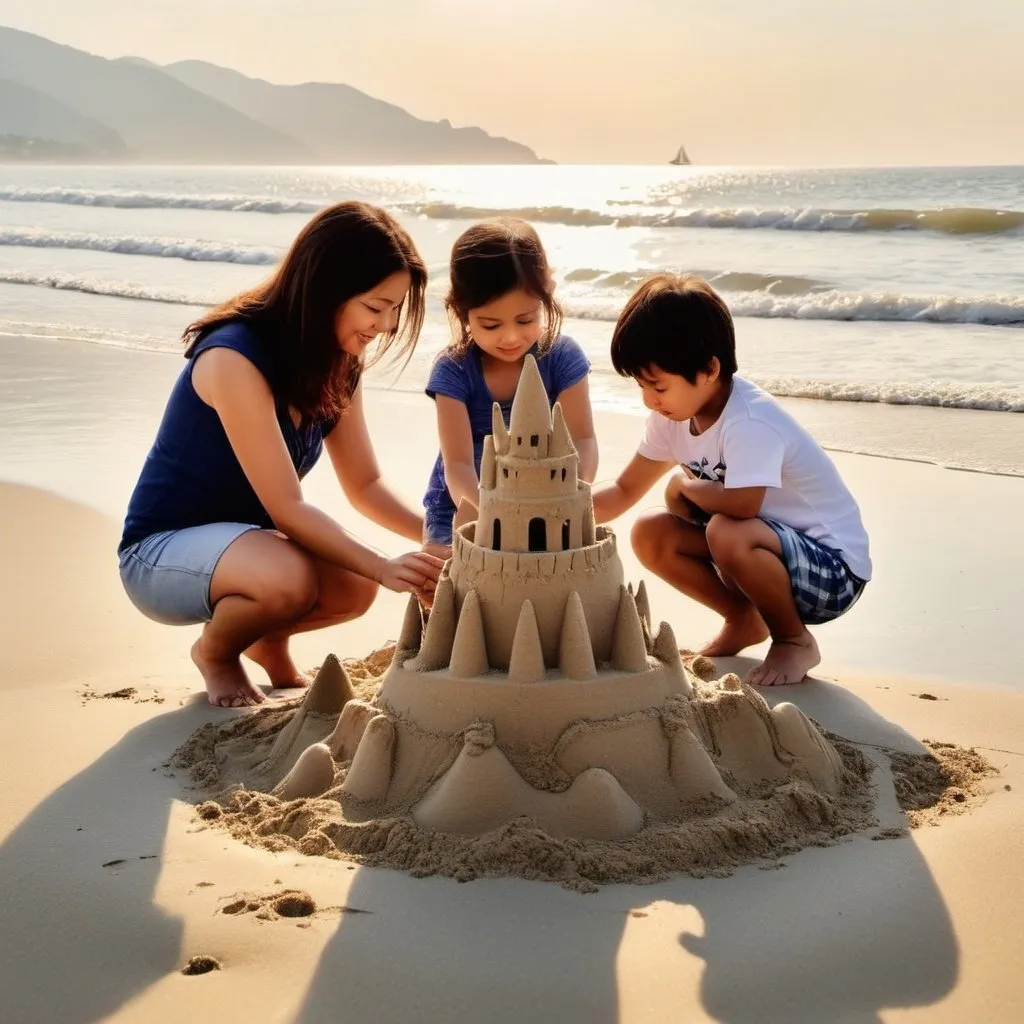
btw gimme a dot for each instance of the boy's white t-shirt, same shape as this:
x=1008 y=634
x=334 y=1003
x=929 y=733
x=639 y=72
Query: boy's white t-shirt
x=756 y=443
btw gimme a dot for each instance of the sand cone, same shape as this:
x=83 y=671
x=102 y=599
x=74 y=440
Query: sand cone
x=369 y=777
x=312 y=774
x=469 y=650
x=575 y=652
x=629 y=652
x=527 y=662
x=436 y=649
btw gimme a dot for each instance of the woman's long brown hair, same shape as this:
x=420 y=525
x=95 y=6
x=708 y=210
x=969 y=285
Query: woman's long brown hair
x=344 y=251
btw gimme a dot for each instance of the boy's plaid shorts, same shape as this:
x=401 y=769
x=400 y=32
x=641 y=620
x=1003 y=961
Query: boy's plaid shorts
x=823 y=586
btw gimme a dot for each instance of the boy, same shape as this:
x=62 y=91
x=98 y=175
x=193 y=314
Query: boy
x=758 y=525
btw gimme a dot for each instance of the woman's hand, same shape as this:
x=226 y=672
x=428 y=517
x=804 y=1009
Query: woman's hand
x=412 y=573
x=442 y=551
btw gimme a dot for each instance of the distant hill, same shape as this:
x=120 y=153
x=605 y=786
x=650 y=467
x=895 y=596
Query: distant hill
x=157 y=116
x=67 y=101
x=26 y=113
x=343 y=125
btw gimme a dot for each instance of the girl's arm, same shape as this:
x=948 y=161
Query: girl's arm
x=639 y=476
x=239 y=393
x=579 y=418
x=355 y=464
x=456 y=437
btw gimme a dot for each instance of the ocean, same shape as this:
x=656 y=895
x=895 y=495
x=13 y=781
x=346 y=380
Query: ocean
x=879 y=287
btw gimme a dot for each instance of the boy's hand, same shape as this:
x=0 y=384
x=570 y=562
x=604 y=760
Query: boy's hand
x=677 y=501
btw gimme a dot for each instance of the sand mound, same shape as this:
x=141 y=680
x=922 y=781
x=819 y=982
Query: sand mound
x=248 y=770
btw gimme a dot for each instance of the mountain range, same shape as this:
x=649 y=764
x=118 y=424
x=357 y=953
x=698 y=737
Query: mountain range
x=55 y=99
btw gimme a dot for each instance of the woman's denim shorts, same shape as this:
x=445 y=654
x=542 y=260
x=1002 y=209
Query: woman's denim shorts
x=167 y=575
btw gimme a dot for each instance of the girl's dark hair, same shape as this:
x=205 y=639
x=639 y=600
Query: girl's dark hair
x=491 y=259
x=678 y=323
x=344 y=251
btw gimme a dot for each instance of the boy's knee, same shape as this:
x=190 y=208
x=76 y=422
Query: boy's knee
x=728 y=538
x=648 y=538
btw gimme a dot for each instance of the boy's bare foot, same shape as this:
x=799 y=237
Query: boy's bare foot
x=743 y=630
x=227 y=685
x=272 y=656
x=787 y=661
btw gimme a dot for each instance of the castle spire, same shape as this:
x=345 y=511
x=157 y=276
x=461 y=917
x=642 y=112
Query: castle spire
x=412 y=628
x=498 y=430
x=531 y=414
x=643 y=605
x=436 y=649
x=629 y=652
x=469 y=651
x=561 y=441
x=527 y=662
x=488 y=465
x=575 y=653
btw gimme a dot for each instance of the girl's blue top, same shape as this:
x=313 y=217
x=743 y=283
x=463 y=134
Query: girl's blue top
x=191 y=475
x=561 y=366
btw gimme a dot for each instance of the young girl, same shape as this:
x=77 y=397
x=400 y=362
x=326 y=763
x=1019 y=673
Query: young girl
x=217 y=530
x=502 y=307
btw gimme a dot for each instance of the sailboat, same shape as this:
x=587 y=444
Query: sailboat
x=680 y=158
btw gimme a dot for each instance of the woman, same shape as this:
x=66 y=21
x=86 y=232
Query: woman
x=217 y=530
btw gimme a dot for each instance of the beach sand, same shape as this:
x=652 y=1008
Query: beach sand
x=112 y=885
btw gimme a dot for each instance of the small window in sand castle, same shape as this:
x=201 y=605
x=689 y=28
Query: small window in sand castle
x=496 y=535
x=552 y=474
x=504 y=470
x=565 y=535
x=563 y=473
x=538 y=535
x=534 y=440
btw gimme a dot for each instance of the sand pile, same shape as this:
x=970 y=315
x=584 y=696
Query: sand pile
x=250 y=763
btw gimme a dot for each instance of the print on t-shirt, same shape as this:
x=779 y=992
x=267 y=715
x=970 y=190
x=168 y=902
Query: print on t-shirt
x=701 y=472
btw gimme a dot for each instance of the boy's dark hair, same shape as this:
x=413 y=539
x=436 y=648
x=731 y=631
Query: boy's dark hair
x=678 y=323
x=344 y=251
x=491 y=259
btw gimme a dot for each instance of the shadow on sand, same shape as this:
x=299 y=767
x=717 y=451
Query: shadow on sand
x=834 y=934
x=63 y=908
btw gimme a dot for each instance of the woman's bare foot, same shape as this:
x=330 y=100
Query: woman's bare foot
x=787 y=661
x=273 y=657
x=743 y=630
x=227 y=685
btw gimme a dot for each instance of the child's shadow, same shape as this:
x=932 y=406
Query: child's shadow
x=840 y=933
x=80 y=932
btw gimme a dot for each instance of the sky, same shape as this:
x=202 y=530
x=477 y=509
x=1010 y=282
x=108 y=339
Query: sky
x=794 y=82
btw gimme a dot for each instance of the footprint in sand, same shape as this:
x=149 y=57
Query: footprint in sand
x=289 y=903
x=201 y=965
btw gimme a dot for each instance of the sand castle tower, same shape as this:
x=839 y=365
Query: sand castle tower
x=537 y=686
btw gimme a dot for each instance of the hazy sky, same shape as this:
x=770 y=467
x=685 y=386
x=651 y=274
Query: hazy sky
x=622 y=81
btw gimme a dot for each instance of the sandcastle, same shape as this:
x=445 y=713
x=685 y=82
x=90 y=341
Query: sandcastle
x=537 y=687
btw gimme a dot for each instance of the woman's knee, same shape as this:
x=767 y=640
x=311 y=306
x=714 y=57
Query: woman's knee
x=360 y=596
x=293 y=590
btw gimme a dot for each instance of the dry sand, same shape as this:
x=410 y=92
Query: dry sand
x=112 y=885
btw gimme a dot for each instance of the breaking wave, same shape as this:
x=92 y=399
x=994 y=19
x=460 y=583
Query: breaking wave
x=786 y=303
x=183 y=249
x=988 y=310
x=953 y=220
x=158 y=200
x=946 y=394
